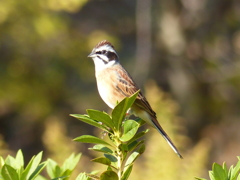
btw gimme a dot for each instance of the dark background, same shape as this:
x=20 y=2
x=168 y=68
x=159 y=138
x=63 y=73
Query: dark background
x=184 y=51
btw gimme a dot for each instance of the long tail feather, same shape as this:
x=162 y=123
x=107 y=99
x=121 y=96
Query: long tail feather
x=166 y=137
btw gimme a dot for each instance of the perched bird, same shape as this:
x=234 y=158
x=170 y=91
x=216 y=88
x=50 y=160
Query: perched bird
x=114 y=84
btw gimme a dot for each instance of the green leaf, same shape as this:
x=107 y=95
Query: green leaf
x=140 y=122
x=101 y=148
x=37 y=170
x=211 y=175
x=127 y=173
x=91 y=139
x=1 y=162
x=132 y=158
x=225 y=168
x=238 y=178
x=9 y=173
x=134 y=145
x=141 y=149
x=101 y=117
x=102 y=160
x=111 y=157
x=109 y=175
x=93 y=177
x=52 y=169
x=65 y=175
x=109 y=168
x=230 y=172
x=138 y=135
x=130 y=128
x=218 y=172
x=71 y=162
x=236 y=170
x=40 y=177
x=124 y=150
x=60 y=178
x=82 y=176
x=10 y=161
x=200 y=178
x=113 y=160
x=19 y=161
x=69 y=165
x=32 y=165
x=90 y=121
x=119 y=112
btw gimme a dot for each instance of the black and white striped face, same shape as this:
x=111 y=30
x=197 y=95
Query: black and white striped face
x=104 y=55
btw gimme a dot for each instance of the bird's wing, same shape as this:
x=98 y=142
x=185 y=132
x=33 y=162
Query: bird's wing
x=128 y=87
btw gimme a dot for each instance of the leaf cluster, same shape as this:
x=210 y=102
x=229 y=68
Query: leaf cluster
x=123 y=145
x=13 y=168
x=219 y=172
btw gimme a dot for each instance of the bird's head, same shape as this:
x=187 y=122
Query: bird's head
x=104 y=55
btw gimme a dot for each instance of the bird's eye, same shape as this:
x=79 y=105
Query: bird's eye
x=103 y=52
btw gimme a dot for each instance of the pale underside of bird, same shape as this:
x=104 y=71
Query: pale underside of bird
x=114 y=84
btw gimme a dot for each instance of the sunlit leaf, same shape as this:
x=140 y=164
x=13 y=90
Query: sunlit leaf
x=101 y=148
x=225 y=168
x=130 y=128
x=134 y=145
x=82 y=176
x=132 y=158
x=111 y=157
x=200 y=178
x=140 y=122
x=52 y=167
x=9 y=173
x=10 y=161
x=218 y=172
x=91 y=139
x=37 y=170
x=90 y=121
x=101 y=117
x=230 y=171
x=236 y=170
x=1 y=161
x=119 y=112
x=40 y=177
x=109 y=175
x=127 y=172
x=32 y=165
x=61 y=178
x=211 y=175
x=71 y=162
x=19 y=161
x=139 y=135
x=141 y=149
x=102 y=160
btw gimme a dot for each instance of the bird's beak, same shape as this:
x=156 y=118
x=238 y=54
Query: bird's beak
x=92 y=54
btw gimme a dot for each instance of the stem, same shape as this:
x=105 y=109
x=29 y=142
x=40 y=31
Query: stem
x=119 y=166
x=119 y=158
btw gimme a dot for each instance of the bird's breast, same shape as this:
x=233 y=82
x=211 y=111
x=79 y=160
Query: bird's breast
x=107 y=81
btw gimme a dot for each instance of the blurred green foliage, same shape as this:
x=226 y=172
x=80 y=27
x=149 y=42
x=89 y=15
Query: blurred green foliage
x=45 y=74
x=14 y=168
x=219 y=172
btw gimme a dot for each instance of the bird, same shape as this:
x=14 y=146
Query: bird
x=114 y=84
